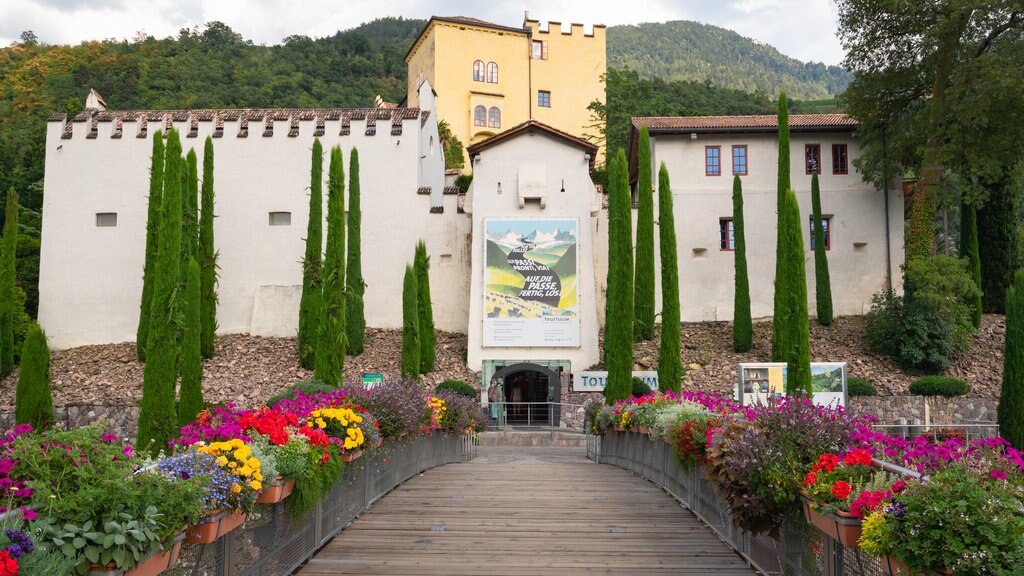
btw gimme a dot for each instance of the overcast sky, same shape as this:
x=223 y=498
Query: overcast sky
x=803 y=29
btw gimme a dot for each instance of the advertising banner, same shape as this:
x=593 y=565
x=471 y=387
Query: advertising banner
x=597 y=380
x=759 y=382
x=530 y=284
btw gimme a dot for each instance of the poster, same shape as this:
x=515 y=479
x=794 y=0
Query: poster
x=759 y=382
x=530 y=282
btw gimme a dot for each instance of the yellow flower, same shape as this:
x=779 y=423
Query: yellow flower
x=255 y=485
x=255 y=463
x=350 y=444
x=320 y=422
x=222 y=461
x=244 y=470
x=236 y=488
x=243 y=453
x=232 y=464
x=257 y=475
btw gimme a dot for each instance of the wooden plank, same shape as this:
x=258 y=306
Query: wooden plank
x=536 y=511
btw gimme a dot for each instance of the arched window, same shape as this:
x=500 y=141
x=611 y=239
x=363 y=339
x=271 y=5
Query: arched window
x=492 y=72
x=494 y=120
x=478 y=71
x=480 y=116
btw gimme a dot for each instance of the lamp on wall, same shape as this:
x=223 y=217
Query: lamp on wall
x=693 y=135
x=586 y=157
x=476 y=159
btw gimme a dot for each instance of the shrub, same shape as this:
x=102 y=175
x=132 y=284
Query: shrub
x=462 y=414
x=822 y=283
x=410 y=325
x=329 y=358
x=640 y=388
x=398 y=405
x=1010 y=412
x=312 y=289
x=458 y=387
x=943 y=285
x=742 y=324
x=304 y=387
x=33 y=399
x=156 y=182
x=860 y=387
x=207 y=258
x=355 y=320
x=908 y=332
x=939 y=386
x=618 y=332
x=428 y=339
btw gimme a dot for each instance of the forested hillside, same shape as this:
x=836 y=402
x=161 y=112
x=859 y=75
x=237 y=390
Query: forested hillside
x=683 y=50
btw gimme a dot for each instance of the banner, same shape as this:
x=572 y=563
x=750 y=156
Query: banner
x=597 y=380
x=530 y=284
x=757 y=382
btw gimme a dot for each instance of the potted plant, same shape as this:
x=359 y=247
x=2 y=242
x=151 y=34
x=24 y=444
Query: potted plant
x=342 y=425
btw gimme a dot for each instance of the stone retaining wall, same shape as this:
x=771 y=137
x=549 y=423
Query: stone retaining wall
x=121 y=420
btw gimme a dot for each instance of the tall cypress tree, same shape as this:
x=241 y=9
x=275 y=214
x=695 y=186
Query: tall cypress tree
x=7 y=282
x=33 y=403
x=969 y=250
x=191 y=402
x=156 y=184
x=778 y=335
x=822 y=282
x=355 y=321
x=330 y=351
x=997 y=232
x=157 y=421
x=1010 y=413
x=618 y=333
x=742 y=325
x=207 y=259
x=793 y=283
x=410 y=325
x=428 y=339
x=312 y=287
x=670 y=367
x=643 y=295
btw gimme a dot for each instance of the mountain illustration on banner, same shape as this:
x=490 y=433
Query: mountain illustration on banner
x=511 y=239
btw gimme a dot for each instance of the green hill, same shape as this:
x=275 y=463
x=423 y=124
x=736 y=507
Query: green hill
x=566 y=265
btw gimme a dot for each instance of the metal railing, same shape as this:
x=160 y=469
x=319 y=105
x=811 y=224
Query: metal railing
x=938 y=432
x=530 y=414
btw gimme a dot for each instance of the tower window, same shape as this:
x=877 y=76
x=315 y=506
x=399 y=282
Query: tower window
x=480 y=116
x=494 y=118
x=280 y=219
x=492 y=72
x=478 y=71
x=106 y=219
x=544 y=99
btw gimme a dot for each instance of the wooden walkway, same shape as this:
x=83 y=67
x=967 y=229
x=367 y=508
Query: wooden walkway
x=527 y=511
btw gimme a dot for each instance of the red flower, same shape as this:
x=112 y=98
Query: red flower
x=828 y=462
x=859 y=457
x=811 y=478
x=899 y=486
x=841 y=490
x=8 y=565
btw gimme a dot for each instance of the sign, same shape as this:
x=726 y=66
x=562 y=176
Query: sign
x=596 y=380
x=371 y=379
x=530 y=282
x=756 y=383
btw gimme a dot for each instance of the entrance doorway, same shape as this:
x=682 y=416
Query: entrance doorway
x=528 y=395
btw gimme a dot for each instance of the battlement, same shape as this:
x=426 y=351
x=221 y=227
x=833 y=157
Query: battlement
x=311 y=121
x=555 y=28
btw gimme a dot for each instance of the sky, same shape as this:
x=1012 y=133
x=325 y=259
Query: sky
x=802 y=29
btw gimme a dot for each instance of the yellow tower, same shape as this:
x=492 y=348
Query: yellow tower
x=489 y=78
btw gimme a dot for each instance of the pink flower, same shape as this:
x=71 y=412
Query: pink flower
x=997 y=474
x=28 y=515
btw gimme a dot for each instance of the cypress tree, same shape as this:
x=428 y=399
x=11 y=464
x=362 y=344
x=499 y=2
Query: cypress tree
x=312 y=288
x=778 y=336
x=643 y=295
x=969 y=250
x=793 y=284
x=156 y=184
x=742 y=325
x=421 y=266
x=618 y=336
x=157 y=420
x=997 y=232
x=207 y=259
x=33 y=403
x=330 y=351
x=410 y=325
x=191 y=401
x=355 y=321
x=822 y=282
x=1010 y=412
x=670 y=367
x=7 y=282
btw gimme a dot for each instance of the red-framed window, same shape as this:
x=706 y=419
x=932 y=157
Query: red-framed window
x=739 y=159
x=812 y=158
x=826 y=222
x=712 y=160
x=544 y=98
x=840 y=159
x=492 y=72
x=494 y=118
x=480 y=116
x=726 y=235
x=478 y=71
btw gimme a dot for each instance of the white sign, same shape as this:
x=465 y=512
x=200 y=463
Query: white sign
x=597 y=380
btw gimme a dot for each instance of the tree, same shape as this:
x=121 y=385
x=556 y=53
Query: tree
x=157 y=421
x=33 y=403
x=997 y=232
x=454 y=158
x=156 y=183
x=670 y=368
x=355 y=321
x=207 y=259
x=312 y=289
x=330 y=350
x=779 y=345
x=191 y=401
x=1010 y=412
x=8 y=304
x=410 y=325
x=822 y=283
x=742 y=325
x=969 y=251
x=643 y=295
x=618 y=333
x=427 y=336
x=792 y=282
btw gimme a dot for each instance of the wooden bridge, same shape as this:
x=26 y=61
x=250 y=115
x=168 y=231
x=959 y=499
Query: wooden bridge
x=527 y=511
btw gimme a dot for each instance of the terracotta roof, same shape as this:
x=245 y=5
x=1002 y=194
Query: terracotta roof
x=769 y=121
x=452 y=171
x=533 y=126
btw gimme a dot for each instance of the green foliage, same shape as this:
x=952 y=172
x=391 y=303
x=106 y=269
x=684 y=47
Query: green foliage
x=916 y=337
x=969 y=251
x=207 y=258
x=33 y=402
x=618 y=336
x=1001 y=255
x=156 y=177
x=355 y=321
x=157 y=421
x=462 y=182
x=939 y=386
x=191 y=402
x=8 y=257
x=643 y=295
x=410 y=325
x=312 y=289
x=1010 y=412
x=458 y=387
x=742 y=323
x=315 y=482
x=22 y=321
x=190 y=212
x=822 y=282
x=454 y=156
x=330 y=349
x=640 y=388
x=427 y=336
x=943 y=285
x=779 y=343
x=670 y=368
x=860 y=387
x=794 y=322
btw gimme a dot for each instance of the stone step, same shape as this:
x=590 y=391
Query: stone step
x=561 y=438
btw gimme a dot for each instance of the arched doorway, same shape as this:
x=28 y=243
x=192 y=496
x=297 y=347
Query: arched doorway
x=529 y=394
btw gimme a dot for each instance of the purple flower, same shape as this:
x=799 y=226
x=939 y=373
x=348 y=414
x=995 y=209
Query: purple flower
x=997 y=474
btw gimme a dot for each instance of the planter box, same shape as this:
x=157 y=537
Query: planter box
x=349 y=457
x=158 y=563
x=841 y=526
x=893 y=567
x=215 y=526
x=276 y=492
